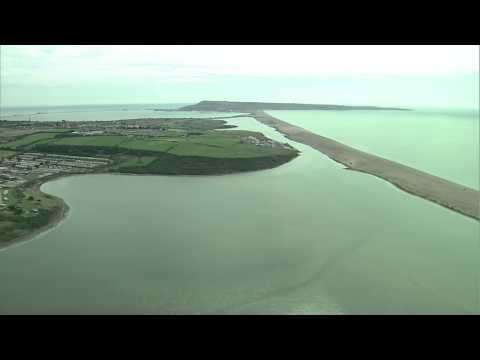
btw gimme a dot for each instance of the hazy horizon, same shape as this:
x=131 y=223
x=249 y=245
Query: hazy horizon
x=396 y=76
x=160 y=103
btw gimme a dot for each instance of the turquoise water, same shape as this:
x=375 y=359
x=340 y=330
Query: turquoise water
x=441 y=142
x=305 y=238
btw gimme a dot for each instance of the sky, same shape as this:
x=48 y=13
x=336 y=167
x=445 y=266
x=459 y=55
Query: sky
x=417 y=75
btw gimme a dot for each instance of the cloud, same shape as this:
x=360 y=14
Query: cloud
x=92 y=63
x=51 y=73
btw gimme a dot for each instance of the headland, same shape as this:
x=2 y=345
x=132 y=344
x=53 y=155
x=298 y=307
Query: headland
x=32 y=153
x=248 y=107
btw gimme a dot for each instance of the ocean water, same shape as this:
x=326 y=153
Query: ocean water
x=304 y=238
x=442 y=142
x=100 y=112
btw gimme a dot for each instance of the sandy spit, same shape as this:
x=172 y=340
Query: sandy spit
x=453 y=196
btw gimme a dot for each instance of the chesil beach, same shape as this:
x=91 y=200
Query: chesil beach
x=454 y=196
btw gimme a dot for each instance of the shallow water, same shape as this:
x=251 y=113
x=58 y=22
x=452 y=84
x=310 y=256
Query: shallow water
x=305 y=238
x=441 y=142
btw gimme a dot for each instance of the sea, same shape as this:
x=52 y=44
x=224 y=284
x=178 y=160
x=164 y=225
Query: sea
x=100 y=112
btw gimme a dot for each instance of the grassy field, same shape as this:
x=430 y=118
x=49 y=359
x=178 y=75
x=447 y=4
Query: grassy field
x=127 y=142
x=223 y=148
x=27 y=140
x=207 y=144
x=156 y=144
x=5 y=153
x=27 y=210
x=9 y=133
x=29 y=199
x=173 y=133
x=225 y=145
x=101 y=140
x=170 y=164
x=133 y=161
x=183 y=152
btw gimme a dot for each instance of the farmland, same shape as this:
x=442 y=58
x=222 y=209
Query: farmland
x=28 y=140
x=32 y=153
x=187 y=154
x=6 y=153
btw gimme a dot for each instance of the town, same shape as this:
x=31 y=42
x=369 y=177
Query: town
x=264 y=142
x=144 y=127
x=22 y=168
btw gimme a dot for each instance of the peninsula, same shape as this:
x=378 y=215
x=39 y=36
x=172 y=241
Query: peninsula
x=248 y=107
x=32 y=153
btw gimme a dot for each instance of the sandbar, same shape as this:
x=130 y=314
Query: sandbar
x=453 y=196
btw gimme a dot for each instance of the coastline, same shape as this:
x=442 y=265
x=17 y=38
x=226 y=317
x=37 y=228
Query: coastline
x=63 y=212
x=455 y=197
x=57 y=218
x=450 y=195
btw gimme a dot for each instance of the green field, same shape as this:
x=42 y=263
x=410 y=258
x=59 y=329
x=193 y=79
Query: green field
x=134 y=161
x=101 y=140
x=116 y=141
x=4 y=153
x=232 y=150
x=207 y=144
x=223 y=147
x=27 y=140
x=127 y=142
x=20 y=217
x=185 y=151
x=155 y=144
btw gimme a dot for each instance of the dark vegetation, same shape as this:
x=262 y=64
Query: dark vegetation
x=20 y=220
x=170 y=164
x=15 y=225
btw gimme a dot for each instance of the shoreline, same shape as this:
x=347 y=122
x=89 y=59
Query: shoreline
x=447 y=194
x=58 y=217
x=453 y=196
x=63 y=212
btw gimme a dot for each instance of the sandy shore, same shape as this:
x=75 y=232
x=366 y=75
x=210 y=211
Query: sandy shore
x=453 y=196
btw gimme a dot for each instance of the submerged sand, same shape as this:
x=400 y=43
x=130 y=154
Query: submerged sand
x=453 y=196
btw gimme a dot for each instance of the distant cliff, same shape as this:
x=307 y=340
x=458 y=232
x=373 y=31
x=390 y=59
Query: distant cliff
x=236 y=106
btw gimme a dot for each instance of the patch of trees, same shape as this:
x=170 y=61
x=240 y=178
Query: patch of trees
x=170 y=164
